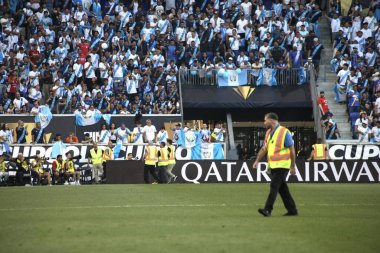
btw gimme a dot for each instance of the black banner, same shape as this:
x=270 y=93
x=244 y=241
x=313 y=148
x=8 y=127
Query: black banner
x=307 y=172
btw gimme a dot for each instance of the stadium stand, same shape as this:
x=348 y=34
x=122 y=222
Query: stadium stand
x=355 y=39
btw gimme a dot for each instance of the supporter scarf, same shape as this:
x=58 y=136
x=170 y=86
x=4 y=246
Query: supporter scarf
x=52 y=103
x=100 y=104
x=38 y=136
x=22 y=136
x=315 y=51
x=137 y=136
x=106 y=133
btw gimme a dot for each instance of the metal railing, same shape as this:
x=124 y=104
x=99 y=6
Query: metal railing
x=201 y=77
x=316 y=112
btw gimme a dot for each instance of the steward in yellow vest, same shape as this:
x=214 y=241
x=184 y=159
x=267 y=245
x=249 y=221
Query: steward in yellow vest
x=319 y=151
x=107 y=155
x=151 y=158
x=163 y=160
x=279 y=149
x=58 y=169
x=97 y=162
x=70 y=170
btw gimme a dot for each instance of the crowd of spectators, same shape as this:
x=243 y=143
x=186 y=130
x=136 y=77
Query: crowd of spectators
x=356 y=61
x=123 y=56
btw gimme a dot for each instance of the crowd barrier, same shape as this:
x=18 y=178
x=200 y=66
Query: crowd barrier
x=83 y=150
x=200 y=77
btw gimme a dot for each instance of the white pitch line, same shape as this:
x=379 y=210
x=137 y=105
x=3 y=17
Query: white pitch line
x=178 y=205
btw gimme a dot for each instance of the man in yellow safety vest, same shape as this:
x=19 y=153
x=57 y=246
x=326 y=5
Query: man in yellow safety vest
x=319 y=151
x=97 y=162
x=107 y=155
x=163 y=159
x=281 y=156
x=150 y=157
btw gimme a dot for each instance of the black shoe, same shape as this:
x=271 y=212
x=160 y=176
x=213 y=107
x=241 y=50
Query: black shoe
x=291 y=214
x=264 y=212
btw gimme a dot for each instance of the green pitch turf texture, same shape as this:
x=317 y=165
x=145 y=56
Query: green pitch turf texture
x=188 y=218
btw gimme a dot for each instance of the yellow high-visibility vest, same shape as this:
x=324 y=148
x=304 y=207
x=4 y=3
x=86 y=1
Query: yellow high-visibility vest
x=278 y=155
x=163 y=158
x=108 y=154
x=96 y=156
x=59 y=166
x=151 y=155
x=171 y=155
x=319 y=152
x=70 y=166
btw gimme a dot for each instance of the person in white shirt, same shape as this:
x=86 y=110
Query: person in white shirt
x=247 y=8
x=122 y=133
x=376 y=132
x=138 y=134
x=19 y=101
x=364 y=132
x=370 y=57
x=218 y=133
x=366 y=31
x=162 y=135
x=264 y=48
x=149 y=131
x=241 y=25
x=104 y=135
x=371 y=21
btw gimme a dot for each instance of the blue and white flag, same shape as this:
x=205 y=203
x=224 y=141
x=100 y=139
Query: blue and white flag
x=208 y=151
x=301 y=76
x=107 y=119
x=267 y=76
x=117 y=149
x=57 y=149
x=44 y=116
x=81 y=120
x=243 y=77
x=233 y=78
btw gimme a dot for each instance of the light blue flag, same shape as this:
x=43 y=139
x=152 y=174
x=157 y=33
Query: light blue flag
x=218 y=152
x=107 y=119
x=207 y=151
x=196 y=151
x=301 y=76
x=116 y=149
x=222 y=81
x=81 y=120
x=44 y=116
x=267 y=76
x=243 y=77
x=58 y=149
x=181 y=138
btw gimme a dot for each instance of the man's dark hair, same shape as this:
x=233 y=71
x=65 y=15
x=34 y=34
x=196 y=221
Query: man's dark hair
x=272 y=115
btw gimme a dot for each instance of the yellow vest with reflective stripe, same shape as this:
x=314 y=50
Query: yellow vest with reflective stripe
x=151 y=155
x=70 y=166
x=59 y=166
x=2 y=166
x=96 y=156
x=108 y=154
x=163 y=158
x=171 y=155
x=38 y=166
x=278 y=155
x=319 y=152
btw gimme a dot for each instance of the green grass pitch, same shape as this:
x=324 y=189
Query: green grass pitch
x=188 y=218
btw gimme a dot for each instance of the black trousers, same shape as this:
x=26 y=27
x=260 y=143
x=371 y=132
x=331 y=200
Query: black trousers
x=278 y=184
x=152 y=170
